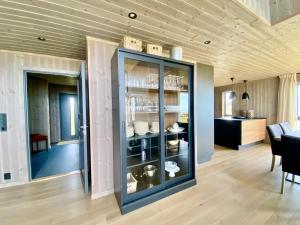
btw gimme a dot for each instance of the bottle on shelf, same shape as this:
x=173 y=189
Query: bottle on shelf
x=143 y=146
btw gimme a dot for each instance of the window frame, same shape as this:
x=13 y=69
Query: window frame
x=298 y=99
x=224 y=104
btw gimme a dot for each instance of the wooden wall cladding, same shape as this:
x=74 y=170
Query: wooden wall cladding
x=38 y=108
x=100 y=102
x=263 y=98
x=13 y=150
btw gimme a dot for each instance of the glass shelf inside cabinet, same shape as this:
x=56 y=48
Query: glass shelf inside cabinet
x=176 y=124
x=142 y=125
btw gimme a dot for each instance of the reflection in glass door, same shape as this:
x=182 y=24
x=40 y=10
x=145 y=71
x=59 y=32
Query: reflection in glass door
x=176 y=121
x=142 y=125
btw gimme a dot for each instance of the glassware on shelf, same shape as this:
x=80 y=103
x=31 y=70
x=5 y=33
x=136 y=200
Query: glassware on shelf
x=173 y=82
x=126 y=79
x=144 y=145
x=142 y=103
x=179 y=82
x=150 y=81
x=132 y=103
x=155 y=105
x=139 y=103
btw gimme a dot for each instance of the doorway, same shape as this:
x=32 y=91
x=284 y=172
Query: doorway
x=56 y=125
x=68 y=116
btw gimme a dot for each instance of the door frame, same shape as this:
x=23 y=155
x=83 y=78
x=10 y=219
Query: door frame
x=25 y=84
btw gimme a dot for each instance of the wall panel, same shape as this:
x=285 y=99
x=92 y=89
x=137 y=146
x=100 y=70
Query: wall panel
x=13 y=151
x=263 y=98
x=38 y=108
x=100 y=101
x=204 y=108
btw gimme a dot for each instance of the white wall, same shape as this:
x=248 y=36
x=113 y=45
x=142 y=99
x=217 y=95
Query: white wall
x=13 y=151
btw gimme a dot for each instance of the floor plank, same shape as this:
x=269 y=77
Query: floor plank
x=236 y=187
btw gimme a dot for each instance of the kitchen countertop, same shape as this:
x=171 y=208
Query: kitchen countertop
x=236 y=133
x=239 y=119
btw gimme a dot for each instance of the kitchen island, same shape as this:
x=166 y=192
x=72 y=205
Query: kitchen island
x=239 y=133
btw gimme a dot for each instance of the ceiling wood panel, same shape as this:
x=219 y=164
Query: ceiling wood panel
x=242 y=44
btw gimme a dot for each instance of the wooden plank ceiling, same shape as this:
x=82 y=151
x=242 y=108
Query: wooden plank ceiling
x=242 y=44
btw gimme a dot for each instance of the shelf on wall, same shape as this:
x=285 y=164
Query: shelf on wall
x=150 y=135
x=136 y=151
x=144 y=182
x=153 y=112
x=150 y=89
x=180 y=152
x=182 y=163
x=137 y=160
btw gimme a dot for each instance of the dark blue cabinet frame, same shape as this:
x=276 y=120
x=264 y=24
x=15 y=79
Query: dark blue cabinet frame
x=133 y=201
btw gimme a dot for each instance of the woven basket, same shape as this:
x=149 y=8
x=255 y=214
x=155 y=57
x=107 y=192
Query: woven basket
x=131 y=183
x=154 y=49
x=250 y=114
x=131 y=43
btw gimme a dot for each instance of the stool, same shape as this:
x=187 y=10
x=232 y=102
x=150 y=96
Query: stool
x=36 y=138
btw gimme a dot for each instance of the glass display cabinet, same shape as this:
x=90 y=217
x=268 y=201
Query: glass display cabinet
x=152 y=127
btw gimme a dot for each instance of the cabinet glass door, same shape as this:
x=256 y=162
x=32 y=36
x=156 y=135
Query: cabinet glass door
x=177 y=119
x=143 y=153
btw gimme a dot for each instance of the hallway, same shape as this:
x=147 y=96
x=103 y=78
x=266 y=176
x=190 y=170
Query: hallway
x=59 y=159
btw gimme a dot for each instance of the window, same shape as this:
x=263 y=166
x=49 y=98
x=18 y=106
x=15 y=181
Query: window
x=184 y=107
x=227 y=104
x=72 y=116
x=298 y=101
x=184 y=102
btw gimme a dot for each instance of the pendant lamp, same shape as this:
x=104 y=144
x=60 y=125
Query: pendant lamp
x=232 y=95
x=245 y=95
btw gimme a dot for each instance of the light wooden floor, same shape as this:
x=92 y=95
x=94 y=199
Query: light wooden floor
x=236 y=187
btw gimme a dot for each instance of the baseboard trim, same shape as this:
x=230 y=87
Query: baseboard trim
x=101 y=194
x=242 y=147
x=12 y=184
x=55 y=176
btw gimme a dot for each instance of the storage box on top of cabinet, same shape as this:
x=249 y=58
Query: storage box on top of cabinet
x=154 y=49
x=131 y=43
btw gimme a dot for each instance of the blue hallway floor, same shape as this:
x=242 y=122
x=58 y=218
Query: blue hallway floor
x=59 y=159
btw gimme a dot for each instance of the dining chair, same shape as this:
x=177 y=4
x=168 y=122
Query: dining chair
x=286 y=127
x=290 y=157
x=275 y=133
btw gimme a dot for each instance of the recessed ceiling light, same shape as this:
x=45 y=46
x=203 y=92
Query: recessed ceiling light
x=207 y=42
x=132 y=15
x=41 y=38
